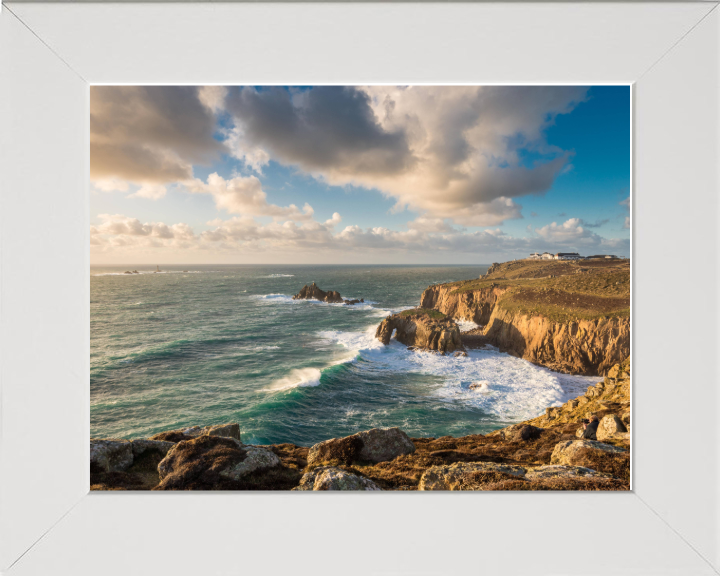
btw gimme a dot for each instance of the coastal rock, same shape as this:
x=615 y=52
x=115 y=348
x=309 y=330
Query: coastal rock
x=211 y=463
x=467 y=475
x=423 y=329
x=376 y=445
x=354 y=301
x=141 y=446
x=526 y=433
x=573 y=452
x=560 y=471
x=110 y=455
x=332 y=478
x=231 y=430
x=611 y=428
x=383 y=444
x=256 y=458
x=312 y=292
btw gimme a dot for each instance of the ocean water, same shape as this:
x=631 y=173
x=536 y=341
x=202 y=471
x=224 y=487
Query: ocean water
x=227 y=343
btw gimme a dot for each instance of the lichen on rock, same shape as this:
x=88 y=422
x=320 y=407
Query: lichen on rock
x=333 y=478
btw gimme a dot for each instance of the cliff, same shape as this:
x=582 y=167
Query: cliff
x=420 y=328
x=569 y=316
x=545 y=453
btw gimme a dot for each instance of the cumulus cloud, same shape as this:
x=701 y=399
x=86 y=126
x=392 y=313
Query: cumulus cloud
x=596 y=224
x=446 y=152
x=151 y=134
x=244 y=195
x=245 y=235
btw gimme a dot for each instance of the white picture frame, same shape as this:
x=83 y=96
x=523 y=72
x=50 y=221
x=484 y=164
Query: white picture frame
x=50 y=53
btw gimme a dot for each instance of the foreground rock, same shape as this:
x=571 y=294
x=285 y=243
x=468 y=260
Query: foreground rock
x=470 y=476
x=332 y=478
x=421 y=329
x=611 y=427
x=211 y=463
x=376 y=445
x=231 y=430
x=312 y=292
x=110 y=455
x=575 y=452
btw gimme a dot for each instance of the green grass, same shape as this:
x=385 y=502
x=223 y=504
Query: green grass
x=434 y=314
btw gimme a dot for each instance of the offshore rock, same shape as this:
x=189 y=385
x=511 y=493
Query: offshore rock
x=312 y=292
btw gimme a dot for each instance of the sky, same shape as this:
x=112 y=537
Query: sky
x=357 y=174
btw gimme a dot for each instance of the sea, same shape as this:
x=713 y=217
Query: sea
x=201 y=345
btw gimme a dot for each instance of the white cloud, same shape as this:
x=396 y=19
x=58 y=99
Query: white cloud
x=244 y=195
x=150 y=191
x=212 y=97
x=445 y=152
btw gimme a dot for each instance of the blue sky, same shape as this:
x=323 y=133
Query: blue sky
x=392 y=174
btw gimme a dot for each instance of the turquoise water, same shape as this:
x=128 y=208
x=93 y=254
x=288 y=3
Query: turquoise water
x=227 y=343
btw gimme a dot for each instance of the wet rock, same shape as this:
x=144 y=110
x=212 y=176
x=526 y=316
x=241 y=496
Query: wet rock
x=110 y=455
x=230 y=430
x=466 y=475
x=460 y=354
x=332 y=478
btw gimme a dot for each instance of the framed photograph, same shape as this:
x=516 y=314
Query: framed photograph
x=256 y=250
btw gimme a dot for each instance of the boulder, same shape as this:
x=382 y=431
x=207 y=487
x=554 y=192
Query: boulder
x=141 y=446
x=256 y=459
x=332 y=478
x=527 y=432
x=110 y=455
x=559 y=471
x=383 y=444
x=570 y=452
x=211 y=462
x=376 y=445
x=467 y=475
x=611 y=428
x=312 y=292
x=230 y=430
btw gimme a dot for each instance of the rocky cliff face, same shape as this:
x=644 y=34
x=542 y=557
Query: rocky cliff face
x=576 y=346
x=423 y=329
x=476 y=305
x=579 y=347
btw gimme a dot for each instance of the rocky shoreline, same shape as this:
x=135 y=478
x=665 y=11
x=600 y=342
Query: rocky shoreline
x=544 y=453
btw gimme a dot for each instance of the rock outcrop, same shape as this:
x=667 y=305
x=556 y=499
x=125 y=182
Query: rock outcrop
x=611 y=427
x=231 y=430
x=569 y=317
x=312 y=292
x=421 y=329
x=574 y=452
x=211 y=463
x=332 y=478
x=376 y=445
x=539 y=454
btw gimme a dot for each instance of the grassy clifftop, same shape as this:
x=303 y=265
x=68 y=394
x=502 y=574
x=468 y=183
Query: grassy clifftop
x=558 y=290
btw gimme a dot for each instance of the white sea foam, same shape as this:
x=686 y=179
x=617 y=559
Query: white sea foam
x=299 y=377
x=466 y=325
x=513 y=389
x=143 y=272
x=279 y=276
